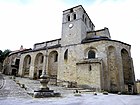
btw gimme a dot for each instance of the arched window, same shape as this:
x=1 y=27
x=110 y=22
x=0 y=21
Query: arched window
x=29 y=60
x=74 y=16
x=86 y=21
x=68 y=17
x=56 y=57
x=83 y=17
x=42 y=58
x=66 y=55
x=90 y=24
x=91 y=54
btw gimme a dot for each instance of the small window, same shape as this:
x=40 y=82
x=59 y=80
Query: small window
x=86 y=21
x=83 y=17
x=42 y=57
x=90 y=68
x=29 y=60
x=89 y=24
x=74 y=16
x=91 y=54
x=56 y=58
x=66 y=55
x=68 y=17
x=17 y=61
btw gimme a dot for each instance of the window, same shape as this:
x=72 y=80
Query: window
x=74 y=16
x=83 y=17
x=66 y=55
x=29 y=60
x=89 y=24
x=42 y=57
x=90 y=68
x=68 y=17
x=91 y=54
x=56 y=58
x=86 y=21
x=17 y=61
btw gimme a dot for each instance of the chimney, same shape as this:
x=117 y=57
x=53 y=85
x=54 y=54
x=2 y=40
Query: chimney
x=21 y=47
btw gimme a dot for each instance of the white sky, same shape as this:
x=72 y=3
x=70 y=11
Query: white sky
x=26 y=22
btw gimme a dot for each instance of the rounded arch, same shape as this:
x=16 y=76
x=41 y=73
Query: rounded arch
x=68 y=17
x=90 y=52
x=66 y=55
x=126 y=63
x=39 y=58
x=26 y=65
x=112 y=69
x=38 y=65
x=53 y=66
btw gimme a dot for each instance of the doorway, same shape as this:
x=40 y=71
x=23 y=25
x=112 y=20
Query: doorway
x=40 y=73
x=14 y=72
x=129 y=88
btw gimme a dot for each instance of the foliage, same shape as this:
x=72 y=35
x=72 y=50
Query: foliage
x=4 y=54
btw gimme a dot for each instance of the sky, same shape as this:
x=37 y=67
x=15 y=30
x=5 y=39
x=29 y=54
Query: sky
x=26 y=22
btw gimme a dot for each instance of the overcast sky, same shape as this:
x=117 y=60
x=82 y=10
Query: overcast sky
x=26 y=22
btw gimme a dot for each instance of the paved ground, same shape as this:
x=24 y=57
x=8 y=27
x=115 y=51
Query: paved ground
x=12 y=94
x=11 y=89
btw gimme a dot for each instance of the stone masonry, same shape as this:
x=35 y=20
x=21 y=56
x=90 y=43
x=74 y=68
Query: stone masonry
x=83 y=56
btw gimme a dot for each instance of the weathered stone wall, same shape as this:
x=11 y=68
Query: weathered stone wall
x=32 y=62
x=89 y=74
x=78 y=53
x=138 y=87
x=67 y=69
x=8 y=62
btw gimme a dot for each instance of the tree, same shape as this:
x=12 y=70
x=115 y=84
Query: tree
x=1 y=56
x=4 y=54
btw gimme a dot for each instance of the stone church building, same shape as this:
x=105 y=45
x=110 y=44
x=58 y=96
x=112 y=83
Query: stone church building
x=82 y=56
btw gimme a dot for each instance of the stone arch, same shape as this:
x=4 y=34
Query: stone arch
x=90 y=52
x=53 y=66
x=112 y=69
x=127 y=70
x=38 y=65
x=26 y=65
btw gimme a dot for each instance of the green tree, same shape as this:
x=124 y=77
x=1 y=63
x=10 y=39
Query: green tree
x=4 y=54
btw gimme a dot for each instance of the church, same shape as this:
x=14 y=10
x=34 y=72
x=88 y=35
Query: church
x=82 y=57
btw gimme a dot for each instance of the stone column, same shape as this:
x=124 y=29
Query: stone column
x=45 y=77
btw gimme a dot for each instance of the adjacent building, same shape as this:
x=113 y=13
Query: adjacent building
x=11 y=62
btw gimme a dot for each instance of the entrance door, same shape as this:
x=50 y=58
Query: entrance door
x=130 y=88
x=14 y=72
x=40 y=73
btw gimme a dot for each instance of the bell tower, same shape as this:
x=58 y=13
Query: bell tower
x=75 y=25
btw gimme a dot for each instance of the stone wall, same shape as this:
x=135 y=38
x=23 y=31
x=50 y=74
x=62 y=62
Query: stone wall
x=138 y=87
x=89 y=74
